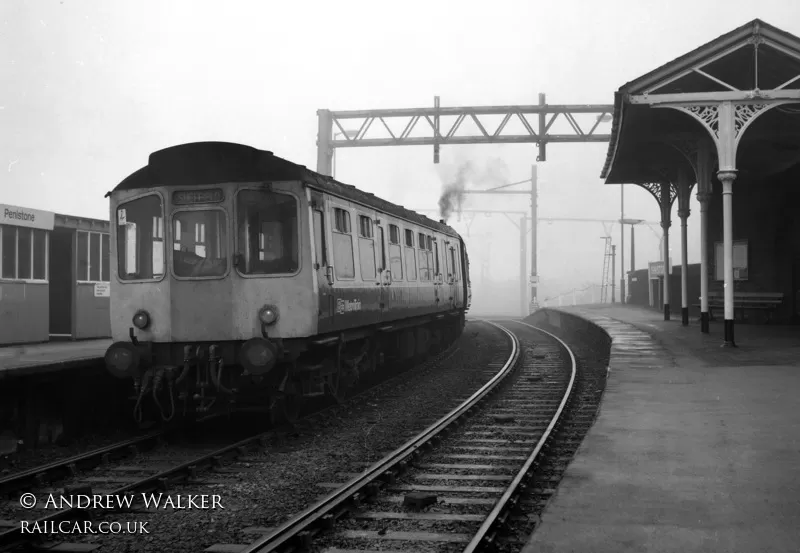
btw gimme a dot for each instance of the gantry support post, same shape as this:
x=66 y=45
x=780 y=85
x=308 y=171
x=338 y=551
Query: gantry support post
x=324 y=150
x=684 y=195
x=534 y=238
x=523 y=258
x=666 y=209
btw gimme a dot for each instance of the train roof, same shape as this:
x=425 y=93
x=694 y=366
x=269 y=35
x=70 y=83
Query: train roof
x=201 y=163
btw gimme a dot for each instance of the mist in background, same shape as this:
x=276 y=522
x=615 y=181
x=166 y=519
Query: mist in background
x=90 y=88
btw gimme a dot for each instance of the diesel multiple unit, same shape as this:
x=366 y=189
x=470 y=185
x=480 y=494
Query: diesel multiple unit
x=238 y=277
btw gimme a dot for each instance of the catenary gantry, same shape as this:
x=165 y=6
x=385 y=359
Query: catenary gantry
x=728 y=113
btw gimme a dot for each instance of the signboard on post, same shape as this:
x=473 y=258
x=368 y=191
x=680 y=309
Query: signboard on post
x=656 y=269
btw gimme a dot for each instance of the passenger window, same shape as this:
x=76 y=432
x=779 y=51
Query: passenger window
x=394 y=234
x=364 y=226
x=423 y=259
x=409 y=238
x=343 y=245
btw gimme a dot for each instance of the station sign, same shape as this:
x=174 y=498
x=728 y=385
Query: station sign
x=656 y=268
x=26 y=217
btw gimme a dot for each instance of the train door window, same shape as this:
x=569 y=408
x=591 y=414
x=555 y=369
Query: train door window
x=342 y=245
x=382 y=247
x=319 y=239
x=436 y=256
x=202 y=249
x=447 y=261
x=423 y=258
x=410 y=256
x=140 y=251
x=366 y=248
x=266 y=233
x=395 y=253
x=429 y=250
x=93 y=255
x=453 y=263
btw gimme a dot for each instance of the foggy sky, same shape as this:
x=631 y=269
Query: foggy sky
x=90 y=88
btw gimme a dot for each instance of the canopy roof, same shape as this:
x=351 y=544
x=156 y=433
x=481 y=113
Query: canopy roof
x=751 y=59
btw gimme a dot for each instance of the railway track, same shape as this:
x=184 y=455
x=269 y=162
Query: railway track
x=152 y=466
x=455 y=485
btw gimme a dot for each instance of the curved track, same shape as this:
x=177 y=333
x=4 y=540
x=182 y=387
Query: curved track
x=495 y=436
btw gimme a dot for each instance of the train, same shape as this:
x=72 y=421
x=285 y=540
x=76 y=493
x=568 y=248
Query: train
x=243 y=280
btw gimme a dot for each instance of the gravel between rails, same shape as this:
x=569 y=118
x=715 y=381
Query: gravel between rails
x=273 y=485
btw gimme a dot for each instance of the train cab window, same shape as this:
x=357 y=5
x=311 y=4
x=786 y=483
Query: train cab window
x=140 y=246
x=410 y=256
x=344 y=266
x=366 y=248
x=200 y=243
x=395 y=254
x=267 y=242
x=424 y=271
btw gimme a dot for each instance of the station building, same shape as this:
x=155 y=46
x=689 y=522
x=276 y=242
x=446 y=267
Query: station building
x=54 y=276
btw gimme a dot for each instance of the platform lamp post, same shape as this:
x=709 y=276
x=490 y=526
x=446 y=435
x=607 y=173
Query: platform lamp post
x=349 y=134
x=632 y=223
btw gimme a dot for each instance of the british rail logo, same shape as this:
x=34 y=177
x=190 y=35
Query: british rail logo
x=346 y=306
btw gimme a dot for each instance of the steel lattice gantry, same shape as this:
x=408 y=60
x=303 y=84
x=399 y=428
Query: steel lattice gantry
x=537 y=132
x=726 y=117
x=442 y=125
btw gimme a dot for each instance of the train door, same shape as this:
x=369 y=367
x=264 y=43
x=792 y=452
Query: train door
x=450 y=277
x=322 y=266
x=437 y=274
x=384 y=274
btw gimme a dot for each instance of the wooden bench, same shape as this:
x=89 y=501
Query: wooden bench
x=744 y=301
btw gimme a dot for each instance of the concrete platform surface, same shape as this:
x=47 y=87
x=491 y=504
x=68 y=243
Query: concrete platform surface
x=52 y=356
x=694 y=448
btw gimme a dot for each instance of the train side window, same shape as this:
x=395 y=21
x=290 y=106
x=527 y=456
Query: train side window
x=366 y=248
x=343 y=245
x=447 y=261
x=453 y=263
x=436 y=256
x=319 y=239
x=424 y=269
x=394 y=234
x=395 y=253
x=411 y=256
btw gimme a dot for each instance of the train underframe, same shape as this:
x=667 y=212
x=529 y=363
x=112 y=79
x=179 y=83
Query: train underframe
x=214 y=377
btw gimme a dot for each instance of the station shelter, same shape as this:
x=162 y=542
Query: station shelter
x=54 y=276
x=724 y=118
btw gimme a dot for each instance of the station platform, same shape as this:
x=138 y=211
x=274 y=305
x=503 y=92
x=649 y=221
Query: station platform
x=32 y=359
x=695 y=447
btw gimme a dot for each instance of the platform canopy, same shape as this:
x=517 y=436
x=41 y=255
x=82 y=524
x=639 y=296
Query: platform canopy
x=752 y=71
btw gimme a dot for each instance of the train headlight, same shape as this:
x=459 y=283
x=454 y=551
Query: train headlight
x=258 y=355
x=268 y=314
x=122 y=359
x=141 y=319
